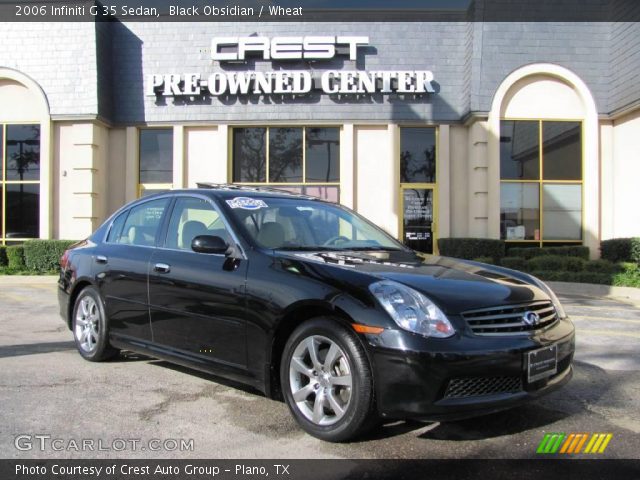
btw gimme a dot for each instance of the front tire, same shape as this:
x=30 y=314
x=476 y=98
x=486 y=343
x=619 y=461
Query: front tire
x=327 y=381
x=89 y=325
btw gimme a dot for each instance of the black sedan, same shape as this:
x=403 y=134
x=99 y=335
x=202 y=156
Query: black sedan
x=307 y=301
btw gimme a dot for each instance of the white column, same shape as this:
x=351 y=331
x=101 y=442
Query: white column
x=443 y=219
x=132 y=176
x=484 y=186
x=607 y=181
x=347 y=166
x=179 y=166
x=46 y=178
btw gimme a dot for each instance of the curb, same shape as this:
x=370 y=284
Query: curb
x=28 y=279
x=594 y=290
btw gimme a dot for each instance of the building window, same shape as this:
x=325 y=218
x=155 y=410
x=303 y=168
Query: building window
x=297 y=159
x=156 y=160
x=417 y=187
x=541 y=181
x=417 y=155
x=20 y=182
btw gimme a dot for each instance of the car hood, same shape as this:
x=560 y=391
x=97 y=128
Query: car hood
x=454 y=285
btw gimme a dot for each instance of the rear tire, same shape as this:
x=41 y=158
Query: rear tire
x=89 y=326
x=327 y=381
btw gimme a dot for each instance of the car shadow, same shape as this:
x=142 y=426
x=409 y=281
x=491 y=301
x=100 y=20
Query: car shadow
x=507 y=422
x=206 y=376
x=35 y=348
x=127 y=356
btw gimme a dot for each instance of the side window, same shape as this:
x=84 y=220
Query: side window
x=141 y=226
x=116 y=228
x=192 y=217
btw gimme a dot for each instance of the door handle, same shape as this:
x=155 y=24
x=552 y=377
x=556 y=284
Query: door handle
x=162 y=268
x=101 y=259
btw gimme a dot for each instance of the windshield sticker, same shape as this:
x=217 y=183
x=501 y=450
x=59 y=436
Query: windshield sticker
x=247 y=203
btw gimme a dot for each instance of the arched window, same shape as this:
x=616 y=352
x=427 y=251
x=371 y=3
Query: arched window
x=24 y=109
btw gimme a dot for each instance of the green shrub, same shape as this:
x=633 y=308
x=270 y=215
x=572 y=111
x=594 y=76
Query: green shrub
x=603 y=266
x=547 y=263
x=621 y=250
x=44 y=255
x=15 y=257
x=484 y=260
x=628 y=277
x=629 y=267
x=574 y=264
x=523 y=252
x=515 y=263
x=594 y=277
x=470 y=248
x=3 y=256
x=567 y=251
x=570 y=251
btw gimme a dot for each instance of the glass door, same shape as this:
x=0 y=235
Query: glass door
x=418 y=218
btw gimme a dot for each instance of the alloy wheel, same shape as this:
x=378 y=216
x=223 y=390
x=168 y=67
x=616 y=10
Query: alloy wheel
x=320 y=380
x=87 y=325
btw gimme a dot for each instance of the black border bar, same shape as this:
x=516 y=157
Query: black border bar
x=322 y=10
x=461 y=469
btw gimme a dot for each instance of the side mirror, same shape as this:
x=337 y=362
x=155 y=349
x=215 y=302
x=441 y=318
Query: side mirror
x=209 y=244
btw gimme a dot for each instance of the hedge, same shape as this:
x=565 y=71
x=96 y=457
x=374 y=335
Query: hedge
x=621 y=249
x=488 y=260
x=514 y=263
x=547 y=263
x=602 y=266
x=15 y=257
x=567 y=251
x=44 y=255
x=470 y=248
x=623 y=279
x=3 y=256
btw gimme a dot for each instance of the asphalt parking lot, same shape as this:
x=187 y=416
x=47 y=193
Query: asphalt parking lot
x=47 y=389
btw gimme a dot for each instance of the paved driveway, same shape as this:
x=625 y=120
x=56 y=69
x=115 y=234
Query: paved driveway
x=46 y=388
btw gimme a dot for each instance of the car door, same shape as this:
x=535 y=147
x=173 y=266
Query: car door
x=122 y=268
x=197 y=300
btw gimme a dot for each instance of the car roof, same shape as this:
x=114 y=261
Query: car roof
x=225 y=191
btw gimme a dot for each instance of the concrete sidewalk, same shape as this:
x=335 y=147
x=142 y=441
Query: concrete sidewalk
x=28 y=279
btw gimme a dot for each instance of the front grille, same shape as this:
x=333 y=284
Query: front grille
x=475 y=387
x=510 y=319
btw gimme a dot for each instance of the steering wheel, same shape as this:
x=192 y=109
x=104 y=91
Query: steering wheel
x=336 y=239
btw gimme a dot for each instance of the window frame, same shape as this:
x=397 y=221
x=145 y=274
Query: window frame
x=157 y=187
x=541 y=182
x=4 y=182
x=419 y=185
x=164 y=234
x=161 y=230
x=267 y=183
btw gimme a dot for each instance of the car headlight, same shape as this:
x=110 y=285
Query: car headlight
x=411 y=310
x=556 y=303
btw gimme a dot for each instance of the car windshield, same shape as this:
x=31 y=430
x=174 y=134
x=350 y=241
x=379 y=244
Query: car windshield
x=301 y=224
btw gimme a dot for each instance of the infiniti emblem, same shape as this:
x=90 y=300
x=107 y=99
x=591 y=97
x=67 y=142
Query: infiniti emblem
x=530 y=318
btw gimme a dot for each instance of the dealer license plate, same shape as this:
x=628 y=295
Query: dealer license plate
x=542 y=363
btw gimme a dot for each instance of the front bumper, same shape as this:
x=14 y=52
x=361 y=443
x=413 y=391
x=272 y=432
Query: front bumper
x=463 y=376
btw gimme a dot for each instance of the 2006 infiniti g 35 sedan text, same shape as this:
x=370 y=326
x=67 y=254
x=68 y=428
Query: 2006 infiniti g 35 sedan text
x=305 y=300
